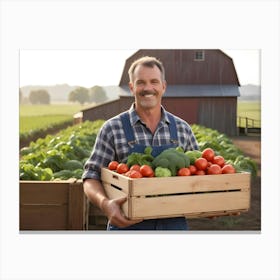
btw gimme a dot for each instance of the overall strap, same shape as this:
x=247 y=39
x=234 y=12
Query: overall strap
x=128 y=131
x=129 y=134
x=173 y=129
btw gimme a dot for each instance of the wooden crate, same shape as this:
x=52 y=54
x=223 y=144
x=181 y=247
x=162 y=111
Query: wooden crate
x=190 y=196
x=52 y=205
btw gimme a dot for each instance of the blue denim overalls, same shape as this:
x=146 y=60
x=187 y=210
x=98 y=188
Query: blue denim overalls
x=178 y=223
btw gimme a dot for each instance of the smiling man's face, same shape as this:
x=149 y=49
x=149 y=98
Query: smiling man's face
x=147 y=87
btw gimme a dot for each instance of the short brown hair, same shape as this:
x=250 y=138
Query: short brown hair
x=147 y=61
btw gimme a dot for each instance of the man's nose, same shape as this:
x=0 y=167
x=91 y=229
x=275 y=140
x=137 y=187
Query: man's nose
x=148 y=86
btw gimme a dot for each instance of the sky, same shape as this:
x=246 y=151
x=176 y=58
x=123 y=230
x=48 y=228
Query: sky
x=104 y=67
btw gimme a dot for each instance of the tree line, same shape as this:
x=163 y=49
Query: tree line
x=82 y=95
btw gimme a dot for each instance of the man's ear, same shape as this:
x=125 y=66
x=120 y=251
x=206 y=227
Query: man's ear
x=164 y=86
x=130 y=85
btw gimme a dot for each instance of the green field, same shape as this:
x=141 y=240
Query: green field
x=251 y=110
x=33 y=117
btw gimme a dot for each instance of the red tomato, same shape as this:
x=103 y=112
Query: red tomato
x=122 y=168
x=185 y=171
x=219 y=160
x=113 y=165
x=208 y=154
x=135 y=167
x=152 y=174
x=127 y=173
x=199 y=172
x=146 y=170
x=228 y=169
x=135 y=174
x=192 y=169
x=214 y=169
x=201 y=163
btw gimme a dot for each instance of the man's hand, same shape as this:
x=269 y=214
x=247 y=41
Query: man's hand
x=112 y=209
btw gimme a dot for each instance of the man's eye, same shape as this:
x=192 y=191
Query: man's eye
x=139 y=83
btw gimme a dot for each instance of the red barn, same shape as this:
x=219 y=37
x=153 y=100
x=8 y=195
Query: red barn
x=202 y=88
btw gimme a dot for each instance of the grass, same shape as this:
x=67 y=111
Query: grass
x=53 y=109
x=249 y=109
x=34 y=117
x=28 y=123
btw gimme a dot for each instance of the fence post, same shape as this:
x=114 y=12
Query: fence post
x=246 y=126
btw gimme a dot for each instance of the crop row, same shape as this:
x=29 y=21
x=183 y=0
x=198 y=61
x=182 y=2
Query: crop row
x=62 y=156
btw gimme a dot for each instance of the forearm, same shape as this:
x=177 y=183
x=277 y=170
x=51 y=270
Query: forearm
x=95 y=192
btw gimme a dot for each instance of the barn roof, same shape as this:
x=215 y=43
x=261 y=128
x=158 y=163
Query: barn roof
x=182 y=67
x=192 y=91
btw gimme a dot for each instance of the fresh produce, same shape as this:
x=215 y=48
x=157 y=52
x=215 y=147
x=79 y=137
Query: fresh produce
x=135 y=167
x=199 y=172
x=113 y=165
x=141 y=158
x=174 y=162
x=185 y=171
x=192 y=169
x=228 y=169
x=162 y=172
x=193 y=155
x=201 y=163
x=147 y=171
x=214 y=169
x=219 y=160
x=223 y=146
x=122 y=168
x=208 y=154
x=134 y=174
x=172 y=159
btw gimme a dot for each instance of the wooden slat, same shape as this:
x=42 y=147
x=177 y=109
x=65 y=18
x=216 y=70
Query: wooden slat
x=115 y=193
x=76 y=217
x=215 y=214
x=45 y=217
x=185 y=184
x=176 y=184
x=43 y=192
x=108 y=176
x=144 y=207
x=49 y=205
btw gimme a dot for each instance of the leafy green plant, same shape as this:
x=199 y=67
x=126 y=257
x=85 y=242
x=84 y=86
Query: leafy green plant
x=67 y=151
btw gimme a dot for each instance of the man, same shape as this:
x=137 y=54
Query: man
x=146 y=123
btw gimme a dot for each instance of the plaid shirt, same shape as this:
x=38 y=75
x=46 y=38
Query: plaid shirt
x=111 y=143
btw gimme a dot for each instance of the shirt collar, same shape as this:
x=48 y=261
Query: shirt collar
x=134 y=118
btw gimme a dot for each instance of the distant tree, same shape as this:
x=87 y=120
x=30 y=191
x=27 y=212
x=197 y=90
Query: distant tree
x=80 y=95
x=40 y=96
x=98 y=95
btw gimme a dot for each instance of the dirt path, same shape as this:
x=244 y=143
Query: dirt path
x=251 y=146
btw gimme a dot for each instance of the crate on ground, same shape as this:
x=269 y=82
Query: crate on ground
x=52 y=205
x=189 y=196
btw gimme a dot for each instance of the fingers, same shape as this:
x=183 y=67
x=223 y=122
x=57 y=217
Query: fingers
x=115 y=214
